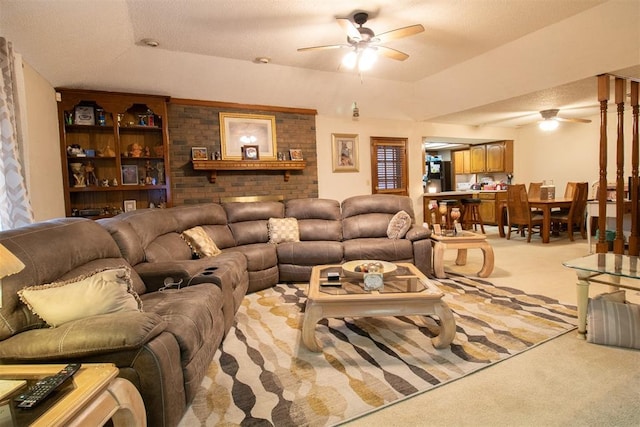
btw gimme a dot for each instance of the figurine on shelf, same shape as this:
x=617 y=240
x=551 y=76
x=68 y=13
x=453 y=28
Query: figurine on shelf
x=90 y=175
x=107 y=151
x=78 y=174
x=135 y=150
x=160 y=169
x=147 y=152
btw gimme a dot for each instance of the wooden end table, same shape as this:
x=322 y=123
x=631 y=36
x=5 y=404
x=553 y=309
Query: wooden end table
x=462 y=241
x=409 y=292
x=97 y=396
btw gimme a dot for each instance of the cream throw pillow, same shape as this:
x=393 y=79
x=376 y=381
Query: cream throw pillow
x=283 y=230
x=101 y=292
x=200 y=242
x=399 y=225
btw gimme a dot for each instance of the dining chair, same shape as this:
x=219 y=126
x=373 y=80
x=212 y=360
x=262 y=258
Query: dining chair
x=534 y=193
x=519 y=212
x=575 y=217
x=534 y=190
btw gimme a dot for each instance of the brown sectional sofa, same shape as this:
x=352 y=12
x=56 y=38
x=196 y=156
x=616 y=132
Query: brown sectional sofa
x=165 y=349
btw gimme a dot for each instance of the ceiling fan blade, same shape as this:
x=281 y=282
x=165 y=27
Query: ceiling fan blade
x=563 y=119
x=349 y=28
x=327 y=47
x=392 y=53
x=400 y=33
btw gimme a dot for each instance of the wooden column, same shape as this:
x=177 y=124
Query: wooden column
x=603 y=97
x=618 y=243
x=634 y=239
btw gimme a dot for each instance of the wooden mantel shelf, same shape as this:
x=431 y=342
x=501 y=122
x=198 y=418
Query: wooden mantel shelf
x=235 y=165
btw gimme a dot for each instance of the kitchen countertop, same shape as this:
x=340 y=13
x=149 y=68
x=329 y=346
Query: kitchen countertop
x=462 y=193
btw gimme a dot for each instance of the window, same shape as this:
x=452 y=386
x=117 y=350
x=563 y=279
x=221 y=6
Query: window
x=389 y=168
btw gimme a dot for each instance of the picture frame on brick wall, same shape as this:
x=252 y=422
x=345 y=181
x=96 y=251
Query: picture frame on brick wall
x=239 y=129
x=344 y=147
x=199 y=153
x=296 y=154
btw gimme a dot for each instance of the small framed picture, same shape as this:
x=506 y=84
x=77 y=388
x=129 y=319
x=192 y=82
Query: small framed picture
x=345 y=152
x=250 y=152
x=84 y=115
x=199 y=153
x=129 y=205
x=296 y=154
x=436 y=228
x=129 y=175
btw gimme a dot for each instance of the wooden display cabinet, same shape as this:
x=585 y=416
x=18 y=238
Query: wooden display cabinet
x=114 y=147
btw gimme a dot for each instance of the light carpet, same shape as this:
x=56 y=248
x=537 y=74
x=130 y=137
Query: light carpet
x=263 y=374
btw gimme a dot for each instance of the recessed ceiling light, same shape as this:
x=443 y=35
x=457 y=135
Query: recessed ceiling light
x=262 y=60
x=150 y=42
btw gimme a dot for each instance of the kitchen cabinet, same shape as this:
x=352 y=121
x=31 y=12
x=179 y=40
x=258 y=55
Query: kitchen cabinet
x=489 y=205
x=478 y=155
x=492 y=157
x=462 y=162
x=114 y=152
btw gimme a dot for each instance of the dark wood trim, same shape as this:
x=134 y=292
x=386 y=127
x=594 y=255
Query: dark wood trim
x=231 y=105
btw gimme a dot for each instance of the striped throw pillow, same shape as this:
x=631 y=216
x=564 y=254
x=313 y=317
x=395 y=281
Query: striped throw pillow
x=611 y=321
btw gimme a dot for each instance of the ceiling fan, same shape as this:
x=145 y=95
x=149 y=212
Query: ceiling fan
x=366 y=43
x=550 y=119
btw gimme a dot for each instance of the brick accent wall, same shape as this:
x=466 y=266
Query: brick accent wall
x=199 y=126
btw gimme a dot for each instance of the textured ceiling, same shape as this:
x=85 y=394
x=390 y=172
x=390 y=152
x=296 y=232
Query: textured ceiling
x=478 y=62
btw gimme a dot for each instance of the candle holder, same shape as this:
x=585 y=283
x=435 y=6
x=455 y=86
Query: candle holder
x=442 y=208
x=455 y=216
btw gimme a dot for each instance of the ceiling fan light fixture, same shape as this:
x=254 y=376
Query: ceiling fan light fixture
x=350 y=60
x=368 y=57
x=548 y=125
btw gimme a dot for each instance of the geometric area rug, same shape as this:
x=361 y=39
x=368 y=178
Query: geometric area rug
x=264 y=376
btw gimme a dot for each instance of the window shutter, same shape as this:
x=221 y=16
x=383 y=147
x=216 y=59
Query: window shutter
x=389 y=165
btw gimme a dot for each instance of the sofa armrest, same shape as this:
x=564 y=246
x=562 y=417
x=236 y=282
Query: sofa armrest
x=418 y=232
x=89 y=336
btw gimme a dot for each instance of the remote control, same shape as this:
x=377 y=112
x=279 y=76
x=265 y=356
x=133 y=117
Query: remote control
x=43 y=388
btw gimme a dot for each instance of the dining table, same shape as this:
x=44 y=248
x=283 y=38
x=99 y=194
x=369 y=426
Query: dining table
x=545 y=206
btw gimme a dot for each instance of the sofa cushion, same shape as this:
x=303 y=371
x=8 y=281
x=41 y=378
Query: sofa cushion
x=283 y=230
x=201 y=243
x=399 y=225
x=611 y=321
x=310 y=253
x=393 y=250
x=101 y=292
x=168 y=247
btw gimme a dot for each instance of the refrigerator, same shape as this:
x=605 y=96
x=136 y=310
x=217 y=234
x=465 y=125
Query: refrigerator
x=438 y=175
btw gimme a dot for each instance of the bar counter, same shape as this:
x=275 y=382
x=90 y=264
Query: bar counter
x=490 y=200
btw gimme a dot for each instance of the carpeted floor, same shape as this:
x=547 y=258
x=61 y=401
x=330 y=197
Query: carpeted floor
x=263 y=375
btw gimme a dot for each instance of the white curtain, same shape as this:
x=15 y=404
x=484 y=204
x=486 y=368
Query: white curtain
x=15 y=208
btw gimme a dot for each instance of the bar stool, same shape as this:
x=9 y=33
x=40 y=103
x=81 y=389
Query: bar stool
x=471 y=214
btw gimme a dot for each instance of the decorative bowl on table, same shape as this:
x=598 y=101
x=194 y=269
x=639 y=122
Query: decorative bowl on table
x=358 y=268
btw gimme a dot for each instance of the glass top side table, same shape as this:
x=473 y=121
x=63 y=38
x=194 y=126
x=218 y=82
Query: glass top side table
x=607 y=269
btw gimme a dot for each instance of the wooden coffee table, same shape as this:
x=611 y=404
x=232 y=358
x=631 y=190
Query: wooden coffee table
x=408 y=292
x=96 y=396
x=462 y=241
